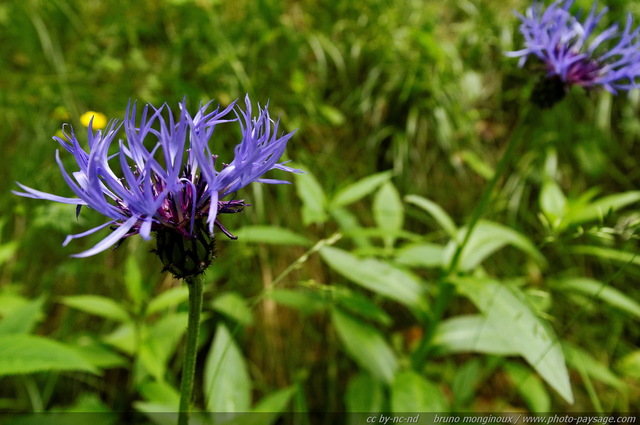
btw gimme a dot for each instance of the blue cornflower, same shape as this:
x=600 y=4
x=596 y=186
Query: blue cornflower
x=170 y=182
x=574 y=54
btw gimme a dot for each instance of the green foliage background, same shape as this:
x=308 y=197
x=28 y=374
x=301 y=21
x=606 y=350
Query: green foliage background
x=337 y=295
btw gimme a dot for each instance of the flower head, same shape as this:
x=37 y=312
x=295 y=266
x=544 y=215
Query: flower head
x=163 y=176
x=574 y=53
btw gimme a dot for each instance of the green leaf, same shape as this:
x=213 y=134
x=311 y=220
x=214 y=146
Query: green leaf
x=608 y=254
x=581 y=360
x=133 y=281
x=97 y=305
x=313 y=198
x=601 y=207
x=123 y=338
x=476 y=163
x=359 y=304
x=601 y=291
x=271 y=235
x=159 y=413
x=359 y=189
x=364 y=394
x=100 y=355
x=629 y=365
x=234 y=306
x=466 y=381
x=411 y=392
x=437 y=212
x=471 y=333
x=226 y=379
x=23 y=319
x=553 y=203
x=275 y=402
x=377 y=276
x=168 y=298
x=306 y=302
x=161 y=342
x=21 y=354
x=487 y=238
x=365 y=345
x=348 y=223
x=160 y=392
x=388 y=212
x=505 y=307
x=423 y=254
x=529 y=387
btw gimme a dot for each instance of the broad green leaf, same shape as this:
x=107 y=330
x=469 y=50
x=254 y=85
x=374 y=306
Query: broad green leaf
x=608 y=254
x=168 y=298
x=160 y=392
x=359 y=189
x=365 y=345
x=7 y=250
x=133 y=281
x=361 y=305
x=601 y=207
x=487 y=238
x=99 y=355
x=529 y=387
x=601 y=291
x=226 y=379
x=629 y=365
x=505 y=307
x=275 y=402
x=553 y=203
x=467 y=380
x=306 y=302
x=437 y=212
x=23 y=319
x=348 y=223
x=97 y=305
x=123 y=338
x=266 y=412
x=364 y=394
x=422 y=254
x=581 y=360
x=234 y=306
x=21 y=354
x=161 y=342
x=271 y=235
x=159 y=413
x=473 y=333
x=10 y=302
x=411 y=392
x=378 y=276
x=313 y=198
x=388 y=212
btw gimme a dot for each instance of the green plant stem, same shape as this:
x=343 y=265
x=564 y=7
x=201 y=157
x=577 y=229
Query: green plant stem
x=446 y=289
x=196 y=289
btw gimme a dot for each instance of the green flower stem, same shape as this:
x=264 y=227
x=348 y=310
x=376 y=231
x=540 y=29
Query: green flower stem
x=446 y=290
x=514 y=141
x=196 y=289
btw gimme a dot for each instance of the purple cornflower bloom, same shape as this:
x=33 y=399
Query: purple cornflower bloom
x=574 y=53
x=170 y=182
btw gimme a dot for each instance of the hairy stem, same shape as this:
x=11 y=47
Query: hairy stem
x=196 y=288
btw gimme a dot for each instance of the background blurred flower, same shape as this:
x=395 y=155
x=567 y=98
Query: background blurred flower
x=574 y=54
x=99 y=119
x=170 y=182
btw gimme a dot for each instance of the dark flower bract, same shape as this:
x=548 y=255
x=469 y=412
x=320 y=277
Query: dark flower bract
x=574 y=52
x=163 y=176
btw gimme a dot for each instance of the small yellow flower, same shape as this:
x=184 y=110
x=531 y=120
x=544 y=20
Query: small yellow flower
x=99 y=119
